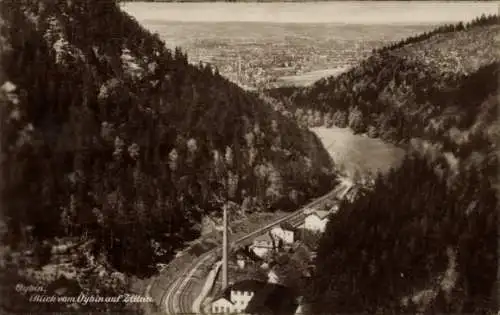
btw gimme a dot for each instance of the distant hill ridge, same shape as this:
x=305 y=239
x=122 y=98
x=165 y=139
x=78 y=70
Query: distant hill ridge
x=483 y=20
x=438 y=87
x=424 y=239
x=462 y=48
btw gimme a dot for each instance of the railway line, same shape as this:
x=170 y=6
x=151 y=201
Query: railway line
x=178 y=294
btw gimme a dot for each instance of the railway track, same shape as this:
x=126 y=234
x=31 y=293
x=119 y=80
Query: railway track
x=178 y=294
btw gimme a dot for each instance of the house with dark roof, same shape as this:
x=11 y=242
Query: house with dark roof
x=244 y=255
x=284 y=233
x=235 y=298
x=255 y=297
x=263 y=244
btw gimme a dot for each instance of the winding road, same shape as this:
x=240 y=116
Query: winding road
x=179 y=296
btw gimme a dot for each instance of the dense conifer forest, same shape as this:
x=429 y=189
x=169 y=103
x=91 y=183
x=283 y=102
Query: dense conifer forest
x=483 y=20
x=418 y=243
x=424 y=239
x=111 y=139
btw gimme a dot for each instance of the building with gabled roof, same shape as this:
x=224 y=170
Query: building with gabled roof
x=255 y=297
x=245 y=255
x=284 y=233
x=235 y=298
x=262 y=244
x=287 y=226
x=316 y=220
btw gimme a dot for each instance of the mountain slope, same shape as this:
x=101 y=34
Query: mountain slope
x=449 y=47
x=108 y=136
x=424 y=88
x=423 y=240
x=414 y=244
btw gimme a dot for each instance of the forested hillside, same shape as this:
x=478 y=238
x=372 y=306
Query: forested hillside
x=439 y=87
x=424 y=239
x=110 y=138
x=416 y=244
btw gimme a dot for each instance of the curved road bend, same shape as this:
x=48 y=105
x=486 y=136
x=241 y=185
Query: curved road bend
x=177 y=298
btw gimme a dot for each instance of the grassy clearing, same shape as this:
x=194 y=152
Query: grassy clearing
x=357 y=153
x=308 y=78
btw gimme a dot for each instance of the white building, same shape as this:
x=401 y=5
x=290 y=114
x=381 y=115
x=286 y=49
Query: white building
x=334 y=208
x=241 y=258
x=222 y=305
x=316 y=221
x=284 y=232
x=263 y=244
x=272 y=277
x=236 y=298
x=240 y=261
x=300 y=308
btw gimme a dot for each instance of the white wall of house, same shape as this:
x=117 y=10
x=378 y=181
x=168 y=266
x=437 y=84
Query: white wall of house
x=314 y=223
x=299 y=310
x=286 y=236
x=240 y=300
x=241 y=263
x=222 y=306
x=335 y=208
x=272 y=277
x=260 y=251
x=238 y=303
x=262 y=246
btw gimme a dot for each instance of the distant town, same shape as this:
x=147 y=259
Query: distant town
x=257 y=65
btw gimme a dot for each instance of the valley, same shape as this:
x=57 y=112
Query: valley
x=258 y=55
x=351 y=156
x=261 y=55
x=358 y=156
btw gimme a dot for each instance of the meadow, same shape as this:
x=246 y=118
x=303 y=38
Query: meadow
x=354 y=153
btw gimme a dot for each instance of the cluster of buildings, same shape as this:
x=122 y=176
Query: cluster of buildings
x=255 y=297
x=285 y=235
x=259 y=297
x=256 y=65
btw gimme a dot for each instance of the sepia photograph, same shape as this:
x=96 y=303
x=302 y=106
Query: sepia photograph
x=257 y=157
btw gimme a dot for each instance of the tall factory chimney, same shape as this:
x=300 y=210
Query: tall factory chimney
x=225 y=250
x=239 y=70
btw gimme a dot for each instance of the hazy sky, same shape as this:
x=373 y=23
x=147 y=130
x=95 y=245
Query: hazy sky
x=314 y=12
